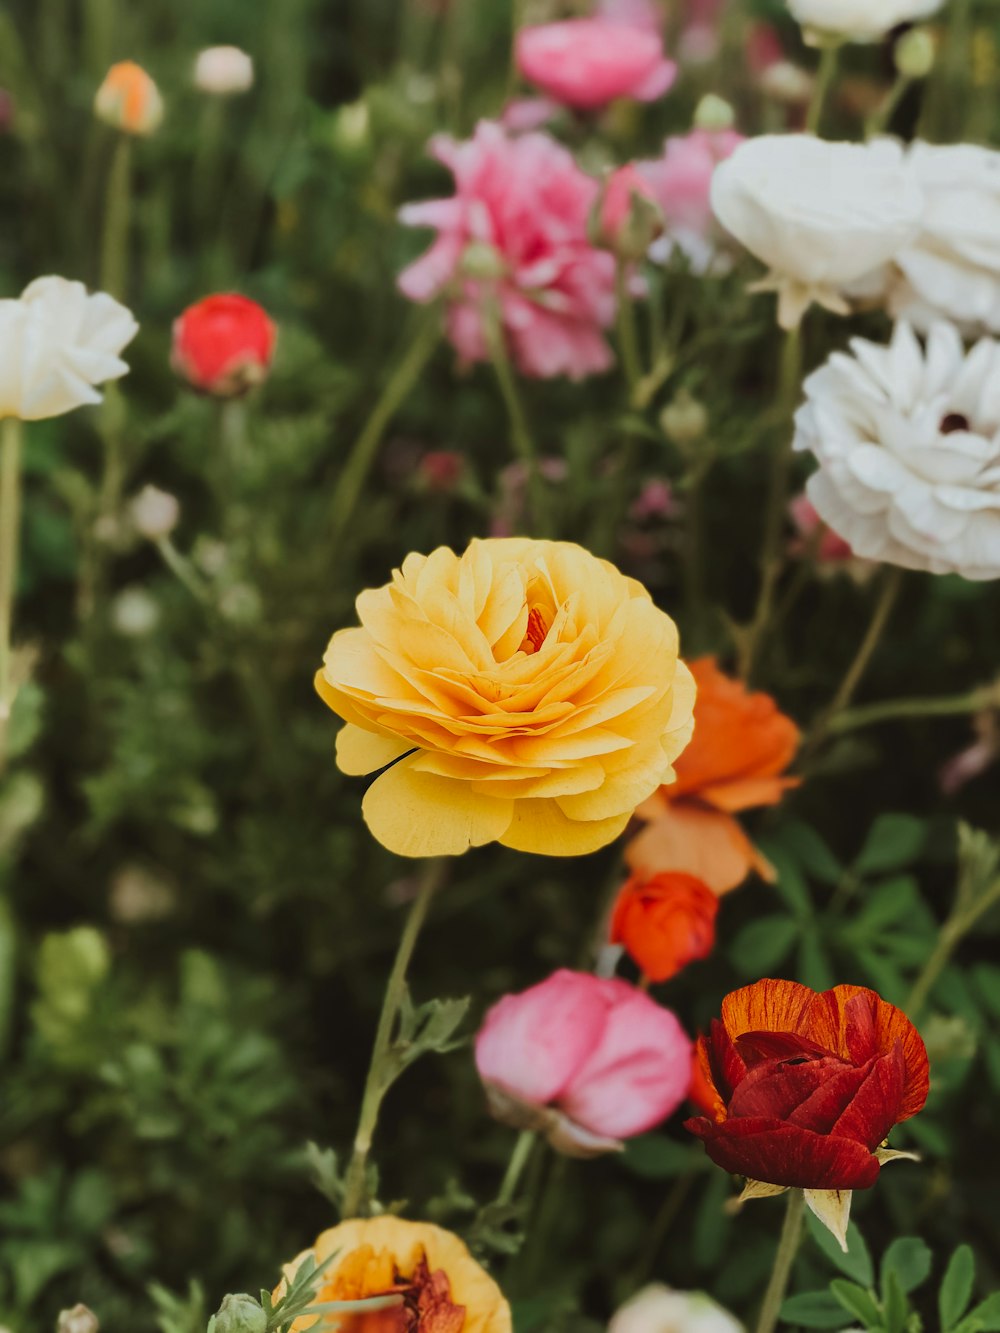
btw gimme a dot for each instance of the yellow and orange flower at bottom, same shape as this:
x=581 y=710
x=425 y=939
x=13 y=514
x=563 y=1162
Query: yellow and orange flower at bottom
x=441 y=1288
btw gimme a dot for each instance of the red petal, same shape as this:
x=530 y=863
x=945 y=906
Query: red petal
x=775 y=1090
x=767 y=1006
x=724 y=1061
x=783 y=1154
x=875 y=1107
x=823 y=1109
x=757 y=1046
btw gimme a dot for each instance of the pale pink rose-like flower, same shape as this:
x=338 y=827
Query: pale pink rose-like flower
x=681 y=181
x=515 y=233
x=587 y=1061
x=588 y=62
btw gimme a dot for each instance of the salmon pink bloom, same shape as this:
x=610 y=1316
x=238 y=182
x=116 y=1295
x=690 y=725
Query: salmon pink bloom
x=665 y=921
x=736 y=760
x=808 y=1086
x=513 y=239
x=223 y=345
x=585 y=1060
x=680 y=181
x=587 y=62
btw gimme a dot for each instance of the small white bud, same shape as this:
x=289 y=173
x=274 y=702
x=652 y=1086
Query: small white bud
x=714 y=113
x=155 y=513
x=223 y=70
x=77 y=1320
x=135 y=613
x=914 y=54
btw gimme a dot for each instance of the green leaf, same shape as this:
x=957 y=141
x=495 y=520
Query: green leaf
x=982 y=1318
x=811 y=852
x=956 y=1287
x=859 y=1302
x=909 y=1260
x=856 y=1263
x=790 y=882
x=763 y=944
x=657 y=1157
x=813 y=1309
x=893 y=841
x=815 y=968
x=895 y=1306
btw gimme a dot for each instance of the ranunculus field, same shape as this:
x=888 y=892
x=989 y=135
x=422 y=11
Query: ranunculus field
x=499 y=666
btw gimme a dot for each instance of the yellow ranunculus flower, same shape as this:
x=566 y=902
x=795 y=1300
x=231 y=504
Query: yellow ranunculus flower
x=438 y=1279
x=530 y=692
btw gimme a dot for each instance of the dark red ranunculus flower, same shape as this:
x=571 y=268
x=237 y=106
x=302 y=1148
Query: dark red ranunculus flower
x=807 y=1086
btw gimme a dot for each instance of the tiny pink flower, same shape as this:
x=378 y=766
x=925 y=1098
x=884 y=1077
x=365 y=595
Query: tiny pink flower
x=975 y=759
x=585 y=1060
x=514 y=238
x=587 y=62
x=523 y=114
x=681 y=179
x=629 y=218
x=655 y=500
x=832 y=549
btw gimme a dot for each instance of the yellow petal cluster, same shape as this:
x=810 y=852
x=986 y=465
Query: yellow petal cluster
x=530 y=692
x=362 y=1255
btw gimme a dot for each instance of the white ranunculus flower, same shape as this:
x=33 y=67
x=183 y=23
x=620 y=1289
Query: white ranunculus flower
x=222 y=70
x=951 y=270
x=658 y=1309
x=820 y=215
x=857 y=20
x=908 y=443
x=56 y=343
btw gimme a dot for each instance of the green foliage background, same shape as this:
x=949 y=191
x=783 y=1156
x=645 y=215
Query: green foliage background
x=162 y=1076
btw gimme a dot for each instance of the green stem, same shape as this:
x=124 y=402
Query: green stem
x=519 y=1158
x=788 y=1248
x=362 y=453
x=951 y=935
x=184 y=570
x=866 y=649
x=789 y=385
x=520 y=433
x=824 y=81
x=379 y=1072
x=693 y=534
x=955 y=705
x=10 y=533
x=628 y=334
x=117 y=211
x=883 y=113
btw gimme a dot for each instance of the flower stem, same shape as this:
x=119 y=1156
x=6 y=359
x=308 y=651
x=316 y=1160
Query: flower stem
x=947 y=706
x=790 y=375
x=380 y=1072
x=866 y=649
x=362 y=453
x=951 y=935
x=788 y=1247
x=824 y=81
x=10 y=530
x=117 y=211
x=520 y=433
x=628 y=334
x=884 y=112
x=523 y=1147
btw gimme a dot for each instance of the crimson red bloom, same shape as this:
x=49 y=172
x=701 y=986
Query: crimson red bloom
x=223 y=345
x=665 y=921
x=807 y=1086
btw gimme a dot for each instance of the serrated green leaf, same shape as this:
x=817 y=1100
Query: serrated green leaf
x=909 y=1260
x=859 y=1302
x=813 y=1309
x=760 y=946
x=856 y=1263
x=956 y=1287
x=893 y=841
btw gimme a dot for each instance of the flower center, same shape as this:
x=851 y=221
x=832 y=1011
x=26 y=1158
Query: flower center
x=952 y=422
x=426 y=1305
x=534 y=635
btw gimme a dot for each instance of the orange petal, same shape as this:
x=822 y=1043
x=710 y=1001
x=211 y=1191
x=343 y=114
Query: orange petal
x=705 y=843
x=767 y=1006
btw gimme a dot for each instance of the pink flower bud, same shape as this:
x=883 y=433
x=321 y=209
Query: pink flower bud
x=223 y=345
x=588 y=62
x=441 y=469
x=584 y=1060
x=628 y=217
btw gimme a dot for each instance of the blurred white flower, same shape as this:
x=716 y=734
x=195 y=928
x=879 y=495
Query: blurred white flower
x=857 y=20
x=56 y=343
x=908 y=443
x=951 y=270
x=135 y=612
x=222 y=70
x=155 y=513
x=658 y=1309
x=820 y=215
x=137 y=896
x=78 y=1320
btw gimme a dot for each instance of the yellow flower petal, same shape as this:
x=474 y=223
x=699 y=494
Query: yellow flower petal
x=360 y=752
x=539 y=826
x=421 y=814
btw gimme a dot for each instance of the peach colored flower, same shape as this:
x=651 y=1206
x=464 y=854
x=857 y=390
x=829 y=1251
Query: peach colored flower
x=742 y=745
x=524 y=692
x=129 y=100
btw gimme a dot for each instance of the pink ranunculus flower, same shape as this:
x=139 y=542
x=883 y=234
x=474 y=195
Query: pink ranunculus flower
x=681 y=181
x=647 y=14
x=628 y=216
x=588 y=62
x=587 y=1061
x=515 y=233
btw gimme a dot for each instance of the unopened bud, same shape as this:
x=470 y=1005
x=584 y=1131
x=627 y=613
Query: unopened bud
x=223 y=70
x=684 y=420
x=482 y=260
x=240 y=1314
x=155 y=513
x=135 y=612
x=714 y=113
x=352 y=126
x=914 y=54
x=784 y=82
x=627 y=218
x=129 y=100
x=77 y=1320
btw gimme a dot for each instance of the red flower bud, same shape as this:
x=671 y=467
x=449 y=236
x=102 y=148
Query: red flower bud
x=809 y=1085
x=223 y=345
x=665 y=921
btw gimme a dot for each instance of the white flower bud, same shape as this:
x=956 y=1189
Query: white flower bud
x=135 y=613
x=684 y=420
x=914 y=54
x=222 y=70
x=77 y=1320
x=714 y=113
x=155 y=513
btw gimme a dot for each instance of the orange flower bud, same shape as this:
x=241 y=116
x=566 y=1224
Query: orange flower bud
x=129 y=100
x=665 y=921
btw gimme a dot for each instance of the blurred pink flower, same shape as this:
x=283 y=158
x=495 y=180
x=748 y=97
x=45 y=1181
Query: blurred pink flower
x=585 y=1060
x=588 y=62
x=441 y=469
x=832 y=549
x=515 y=232
x=681 y=180
x=648 y=14
x=974 y=759
x=763 y=48
x=625 y=224
x=523 y=114
x=655 y=500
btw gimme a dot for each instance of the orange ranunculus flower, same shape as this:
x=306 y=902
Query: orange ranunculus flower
x=442 y=1288
x=524 y=692
x=665 y=921
x=129 y=100
x=737 y=759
